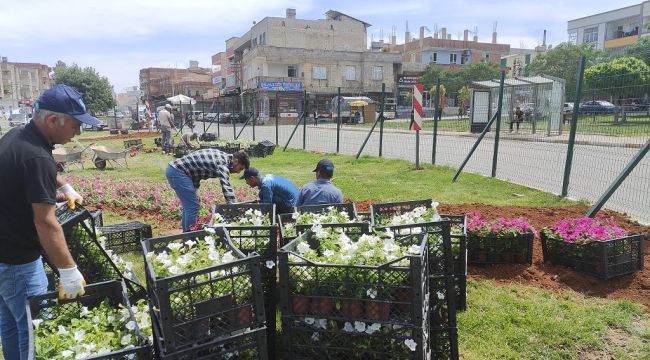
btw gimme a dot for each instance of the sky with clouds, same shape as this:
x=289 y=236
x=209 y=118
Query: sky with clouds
x=119 y=37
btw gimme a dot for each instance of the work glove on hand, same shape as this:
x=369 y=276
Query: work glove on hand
x=71 y=283
x=71 y=195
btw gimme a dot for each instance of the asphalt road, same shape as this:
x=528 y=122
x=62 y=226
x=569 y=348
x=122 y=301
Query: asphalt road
x=523 y=159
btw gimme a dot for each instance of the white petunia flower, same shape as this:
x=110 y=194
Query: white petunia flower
x=348 y=327
x=84 y=311
x=79 y=335
x=209 y=230
x=303 y=247
x=359 y=326
x=328 y=253
x=62 y=330
x=414 y=249
x=310 y=320
x=37 y=322
x=270 y=264
x=190 y=243
x=67 y=353
x=126 y=339
x=372 y=293
x=174 y=246
x=130 y=325
x=411 y=344
x=441 y=295
x=174 y=270
x=322 y=323
x=372 y=328
x=228 y=257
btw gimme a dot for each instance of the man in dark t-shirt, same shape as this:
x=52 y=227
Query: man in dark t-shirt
x=27 y=219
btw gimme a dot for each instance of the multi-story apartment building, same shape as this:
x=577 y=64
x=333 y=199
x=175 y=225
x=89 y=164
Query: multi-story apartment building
x=166 y=82
x=612 y=30
x=317 y=56
x=22 y=83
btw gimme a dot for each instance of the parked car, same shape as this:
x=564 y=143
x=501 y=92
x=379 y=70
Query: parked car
x=597 y=107
x=224 y=118
x=99 y=127
x=639 y=105
x=567 y=108
x=210 y=117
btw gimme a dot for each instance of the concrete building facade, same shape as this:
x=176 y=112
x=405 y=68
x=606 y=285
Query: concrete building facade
x=158 y=83
x=612 y=30
x=22 y=83
x=316 y=56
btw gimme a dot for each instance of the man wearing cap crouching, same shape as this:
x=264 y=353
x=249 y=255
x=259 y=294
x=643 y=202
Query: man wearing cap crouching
x=273 y=190
x=185 y=174
x=321 y=191
x=27 y=218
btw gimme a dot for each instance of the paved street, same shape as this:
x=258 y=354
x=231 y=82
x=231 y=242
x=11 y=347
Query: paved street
x=533 y=162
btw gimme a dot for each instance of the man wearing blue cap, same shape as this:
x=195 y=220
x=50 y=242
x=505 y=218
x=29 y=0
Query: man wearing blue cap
x=273 y=190
x=321 y=191
x=27 y=219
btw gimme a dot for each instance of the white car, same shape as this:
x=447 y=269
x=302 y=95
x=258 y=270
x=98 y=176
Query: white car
x=18 y=119
x=567 y=108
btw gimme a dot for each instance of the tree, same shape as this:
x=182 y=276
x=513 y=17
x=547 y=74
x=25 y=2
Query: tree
x=562 y=62
x=622 y=78
x=463 y=95
x=454 y=79
x=640 y=50
x=96 y=91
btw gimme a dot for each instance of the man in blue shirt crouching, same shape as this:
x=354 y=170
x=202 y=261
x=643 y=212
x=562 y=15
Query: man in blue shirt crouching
x=273 y=190
x=321 y=191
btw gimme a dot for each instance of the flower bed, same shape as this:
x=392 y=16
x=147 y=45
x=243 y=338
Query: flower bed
x=94 y=262
x=499 y=241
x=594 y=246
x=201 y=287
x=331 y=283
x=99 y=324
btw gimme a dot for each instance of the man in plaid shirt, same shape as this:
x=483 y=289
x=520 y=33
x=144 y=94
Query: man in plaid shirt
x=185 y=174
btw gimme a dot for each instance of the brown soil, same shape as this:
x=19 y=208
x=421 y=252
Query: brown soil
x=634 y=287
x=130 y=135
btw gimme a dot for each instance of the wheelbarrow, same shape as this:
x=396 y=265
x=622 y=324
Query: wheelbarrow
x=116 y=157
x=66 y=156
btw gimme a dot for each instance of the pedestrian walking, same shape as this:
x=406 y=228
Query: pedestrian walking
x=166 y=125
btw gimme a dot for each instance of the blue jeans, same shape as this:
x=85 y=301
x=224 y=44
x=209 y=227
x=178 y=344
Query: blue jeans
x=17 y=284
x=166 y=133
x=187 y=193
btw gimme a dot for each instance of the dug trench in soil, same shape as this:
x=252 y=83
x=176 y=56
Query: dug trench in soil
x=634 y=287
x=130 y=135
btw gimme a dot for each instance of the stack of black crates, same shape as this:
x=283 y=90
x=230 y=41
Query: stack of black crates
x=191 y=316
x=354 y=311
x=262 y=240
x=446 y=257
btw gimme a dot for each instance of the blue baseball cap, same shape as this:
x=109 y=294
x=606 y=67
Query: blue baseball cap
x=251 y=171
x=65 y=99
x=324 y=165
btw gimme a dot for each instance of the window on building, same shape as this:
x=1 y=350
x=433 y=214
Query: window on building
x=319 y=72
x=591 y=35
x=292 y=71
x=412 y=58
x=573 y=38
x=434 y=57
x=452 y=58
x=378 y=73
x=350 y=73
x=262 y=39
x=487 y=56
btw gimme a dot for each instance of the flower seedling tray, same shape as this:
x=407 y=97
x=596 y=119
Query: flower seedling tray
x=603 y=259
x=200 y=306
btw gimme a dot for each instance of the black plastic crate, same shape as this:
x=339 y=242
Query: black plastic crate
x=246 y=345
x=266 y=146
x=98 y=217
x=442 y=301
x=458 y=234
x=95 y=294
x=232 y=212
x=232 y=148
x=125 y=237
x=208 y=136
x=132 y=142
x=309 y=338
x=603 y=259
x=192 y=308
x=395 y=208
x=443 y=343
x=91 y=258
x=349 y=208
x=460 y=288
x=516 y=249
x=341 y=292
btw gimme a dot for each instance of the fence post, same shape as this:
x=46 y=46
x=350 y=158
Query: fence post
x=417 y=149
x=495 y=155
x=277 y=117
x=234 y=129
x=304 y=119
x=435 y=123
x=338 y=120
x=381 y=118
x=572 y=131
x=254 y=113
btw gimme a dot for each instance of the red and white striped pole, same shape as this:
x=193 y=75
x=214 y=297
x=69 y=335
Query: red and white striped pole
x=417 y=120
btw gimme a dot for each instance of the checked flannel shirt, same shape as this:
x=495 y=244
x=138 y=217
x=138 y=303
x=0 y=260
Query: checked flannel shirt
x=205 y=164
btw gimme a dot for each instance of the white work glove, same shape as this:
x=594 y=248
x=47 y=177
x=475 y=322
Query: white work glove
x=71 y=195
x=71 y=283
